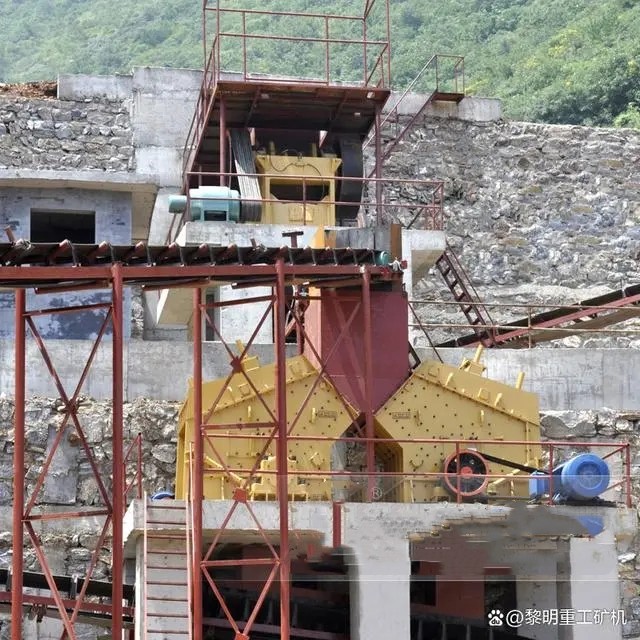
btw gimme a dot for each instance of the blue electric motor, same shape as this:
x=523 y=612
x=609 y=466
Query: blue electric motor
x=581 y=478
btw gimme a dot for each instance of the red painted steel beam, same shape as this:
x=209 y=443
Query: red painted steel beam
x=117 y=470
x=282 y=462
x=378 y=166
x=198 y=489
x=223 y=137
x=571 y=317
x=368 y=383
x=175 y=274
x=17 y=560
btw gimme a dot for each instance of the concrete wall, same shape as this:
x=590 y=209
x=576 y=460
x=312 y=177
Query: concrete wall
x=73 y=133
x=382 y=539
x=565 y=379
x=112 y=222
x=538 y=213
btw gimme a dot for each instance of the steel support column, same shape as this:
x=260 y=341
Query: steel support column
x=378 y=168
x=198 y=471
x=368 y=384
x=17 y=559
x=223 y=140
x=282 y=461
x=118 y=500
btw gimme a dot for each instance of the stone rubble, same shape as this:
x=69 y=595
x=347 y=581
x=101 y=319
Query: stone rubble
x=66 y=135
x=538 y=214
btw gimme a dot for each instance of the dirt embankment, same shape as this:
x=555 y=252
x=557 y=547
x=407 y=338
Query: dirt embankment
x=38 y=90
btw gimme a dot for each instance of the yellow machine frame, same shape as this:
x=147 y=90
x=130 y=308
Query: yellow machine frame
x=302 y=173
x=438 y=401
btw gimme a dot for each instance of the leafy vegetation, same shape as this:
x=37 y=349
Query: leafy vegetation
x=569 y=61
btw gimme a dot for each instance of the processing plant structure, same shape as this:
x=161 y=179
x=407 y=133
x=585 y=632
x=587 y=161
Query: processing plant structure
x=285 y=465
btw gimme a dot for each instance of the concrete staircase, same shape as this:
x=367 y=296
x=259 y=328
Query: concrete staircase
x=166 y=612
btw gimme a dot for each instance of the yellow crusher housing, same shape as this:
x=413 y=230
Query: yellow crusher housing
x=437 y=401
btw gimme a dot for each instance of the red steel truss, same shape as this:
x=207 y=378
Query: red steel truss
x=84 y=267
x=276 y=272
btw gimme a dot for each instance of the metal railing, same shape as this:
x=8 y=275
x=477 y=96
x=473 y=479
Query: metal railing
x=528 y=331
x=239 y=32
x=234 y=51
x=388 y=484
x=440 y=74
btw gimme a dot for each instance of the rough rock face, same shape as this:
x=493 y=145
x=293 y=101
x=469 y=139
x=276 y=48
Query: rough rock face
x=70 y=483
x=537 y=213
x=63 y=134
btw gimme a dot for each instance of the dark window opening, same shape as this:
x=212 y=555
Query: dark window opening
x=298 y=193
x=423 y=583
x=56 y=226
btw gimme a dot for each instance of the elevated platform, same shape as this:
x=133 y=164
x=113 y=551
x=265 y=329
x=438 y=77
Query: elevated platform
x=420 y=249
x=266 y=103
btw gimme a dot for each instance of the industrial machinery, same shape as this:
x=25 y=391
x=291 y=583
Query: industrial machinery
x=280 y=184
x=579 y=479
x=417 y=427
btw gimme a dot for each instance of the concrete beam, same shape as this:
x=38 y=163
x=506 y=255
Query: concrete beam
x=471 y=109
x=83 y=86
x=564 y=379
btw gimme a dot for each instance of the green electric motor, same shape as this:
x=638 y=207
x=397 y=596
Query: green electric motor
x=209 y=204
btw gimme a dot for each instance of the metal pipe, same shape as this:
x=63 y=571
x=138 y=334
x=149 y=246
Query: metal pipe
x=326 y=59
x=223 y=139
x=197 y=496
x=282 y=462
x=332 y=16
x=368 y=382
x=17 y=560
x=627 y=461
x=388 y=16
x=365 y=63
x=117 y=319
x=378 y=167
x=139 y=466
x=244 y=45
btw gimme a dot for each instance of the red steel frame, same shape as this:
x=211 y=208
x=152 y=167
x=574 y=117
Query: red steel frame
x=214 y=67
x=282 y=426
x=114 y=501
x=213 y=56
x=116 y=276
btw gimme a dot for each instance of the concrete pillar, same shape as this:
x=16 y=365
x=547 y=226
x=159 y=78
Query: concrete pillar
x=594 y=587
x=536 y=589
x=380 y=601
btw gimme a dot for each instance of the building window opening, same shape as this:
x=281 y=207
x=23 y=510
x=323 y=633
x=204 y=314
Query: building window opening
x=56 y=226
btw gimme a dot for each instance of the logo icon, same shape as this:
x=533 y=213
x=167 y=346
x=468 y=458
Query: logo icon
x=495 y=617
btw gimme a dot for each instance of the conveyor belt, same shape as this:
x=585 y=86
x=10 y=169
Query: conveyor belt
x=89 y=265
x=23 y=252
x=249 y=185
x=592 y=314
